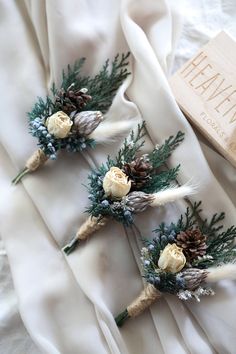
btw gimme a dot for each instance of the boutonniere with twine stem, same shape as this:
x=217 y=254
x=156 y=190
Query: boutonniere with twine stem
x=130 y=183
x=69 y=117
x=185 y=259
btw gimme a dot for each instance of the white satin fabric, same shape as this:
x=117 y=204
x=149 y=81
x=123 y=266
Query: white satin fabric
x=67 y=304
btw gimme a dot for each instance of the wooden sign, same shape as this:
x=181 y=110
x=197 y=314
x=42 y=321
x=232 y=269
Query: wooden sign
x=205 y=89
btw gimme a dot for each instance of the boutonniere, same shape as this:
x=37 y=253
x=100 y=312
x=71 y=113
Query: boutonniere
x=129 y=183
x=185 y=259
x=68 y=117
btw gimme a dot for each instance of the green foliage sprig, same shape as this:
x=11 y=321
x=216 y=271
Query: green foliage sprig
x=102 y=87
x=220 y=248
x=101 y=205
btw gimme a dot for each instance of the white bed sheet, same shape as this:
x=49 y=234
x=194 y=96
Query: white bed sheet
x=190 y=330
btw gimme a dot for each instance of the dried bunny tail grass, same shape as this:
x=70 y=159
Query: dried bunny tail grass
x=108 y=132
x=172 y=194
x=227 y=271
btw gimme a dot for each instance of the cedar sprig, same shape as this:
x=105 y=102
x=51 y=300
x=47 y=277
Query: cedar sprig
x=159 y=155
x=190 y=217
x=220 y=248
x=161 y=180
x=102 y=205
x=167 y=269
x=157 y=158
x=102 y=87
x=71 y=76
x=42 y=109
x=131 y=146
x=220 y=243
x=212 y=227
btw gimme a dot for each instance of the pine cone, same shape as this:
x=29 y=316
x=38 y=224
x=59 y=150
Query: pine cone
x=138 y=172
x=70 y=100
x=193 y=243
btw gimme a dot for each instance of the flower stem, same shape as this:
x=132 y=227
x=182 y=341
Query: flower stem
x=70 y=247
x=20 y=175
x=122 y=317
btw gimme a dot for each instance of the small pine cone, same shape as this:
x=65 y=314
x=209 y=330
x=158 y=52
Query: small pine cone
x=138 y=172
x=193 y=277
x=70 y=100
x=85 y=122
x=193 y=243
x=138 y=201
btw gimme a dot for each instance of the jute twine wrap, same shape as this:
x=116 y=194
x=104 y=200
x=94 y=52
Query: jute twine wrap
x=147 y=297
x=91 y=225
x=36 y=160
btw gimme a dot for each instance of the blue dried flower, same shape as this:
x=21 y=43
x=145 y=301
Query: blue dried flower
x=151 y=279
x=105 y=203
x=164 y=240
x=146 y=262
x=151 y=247
x=156 y=239
x=171 y=238
x=127 y=214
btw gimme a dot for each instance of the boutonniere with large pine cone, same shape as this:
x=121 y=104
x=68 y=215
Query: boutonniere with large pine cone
x=128 y=184
x=185 y=259
x=69 y=117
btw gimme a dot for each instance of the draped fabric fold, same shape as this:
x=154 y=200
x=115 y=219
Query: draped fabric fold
x=67 y=304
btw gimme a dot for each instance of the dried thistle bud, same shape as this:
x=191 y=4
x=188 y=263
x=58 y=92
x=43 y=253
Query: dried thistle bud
x=193 y=277
x=85 y=122
x=138 y=201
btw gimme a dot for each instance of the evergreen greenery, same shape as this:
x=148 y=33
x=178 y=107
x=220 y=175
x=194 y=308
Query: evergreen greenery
x=159 y=179
x=220 y=248
x=102 y=87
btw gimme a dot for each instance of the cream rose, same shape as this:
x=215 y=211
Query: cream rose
x=59 y=124
x=172 y=258
x=115 y=183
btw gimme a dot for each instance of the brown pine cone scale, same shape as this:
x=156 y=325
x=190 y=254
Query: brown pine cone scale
x=72 y=100
x=193 y=243
x=138 y=172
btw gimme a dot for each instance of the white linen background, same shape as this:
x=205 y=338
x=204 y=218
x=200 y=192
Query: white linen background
x=67 y=307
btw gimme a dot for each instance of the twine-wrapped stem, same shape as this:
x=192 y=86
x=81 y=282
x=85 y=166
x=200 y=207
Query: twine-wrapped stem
x=146 y=298
x=91 y=225
x=20 y=175
x=33 y=163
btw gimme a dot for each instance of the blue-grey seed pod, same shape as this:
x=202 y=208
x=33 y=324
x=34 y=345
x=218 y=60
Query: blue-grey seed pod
x=138 y=201
x=87 y=121
x=164 y=239
x=193 y=277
